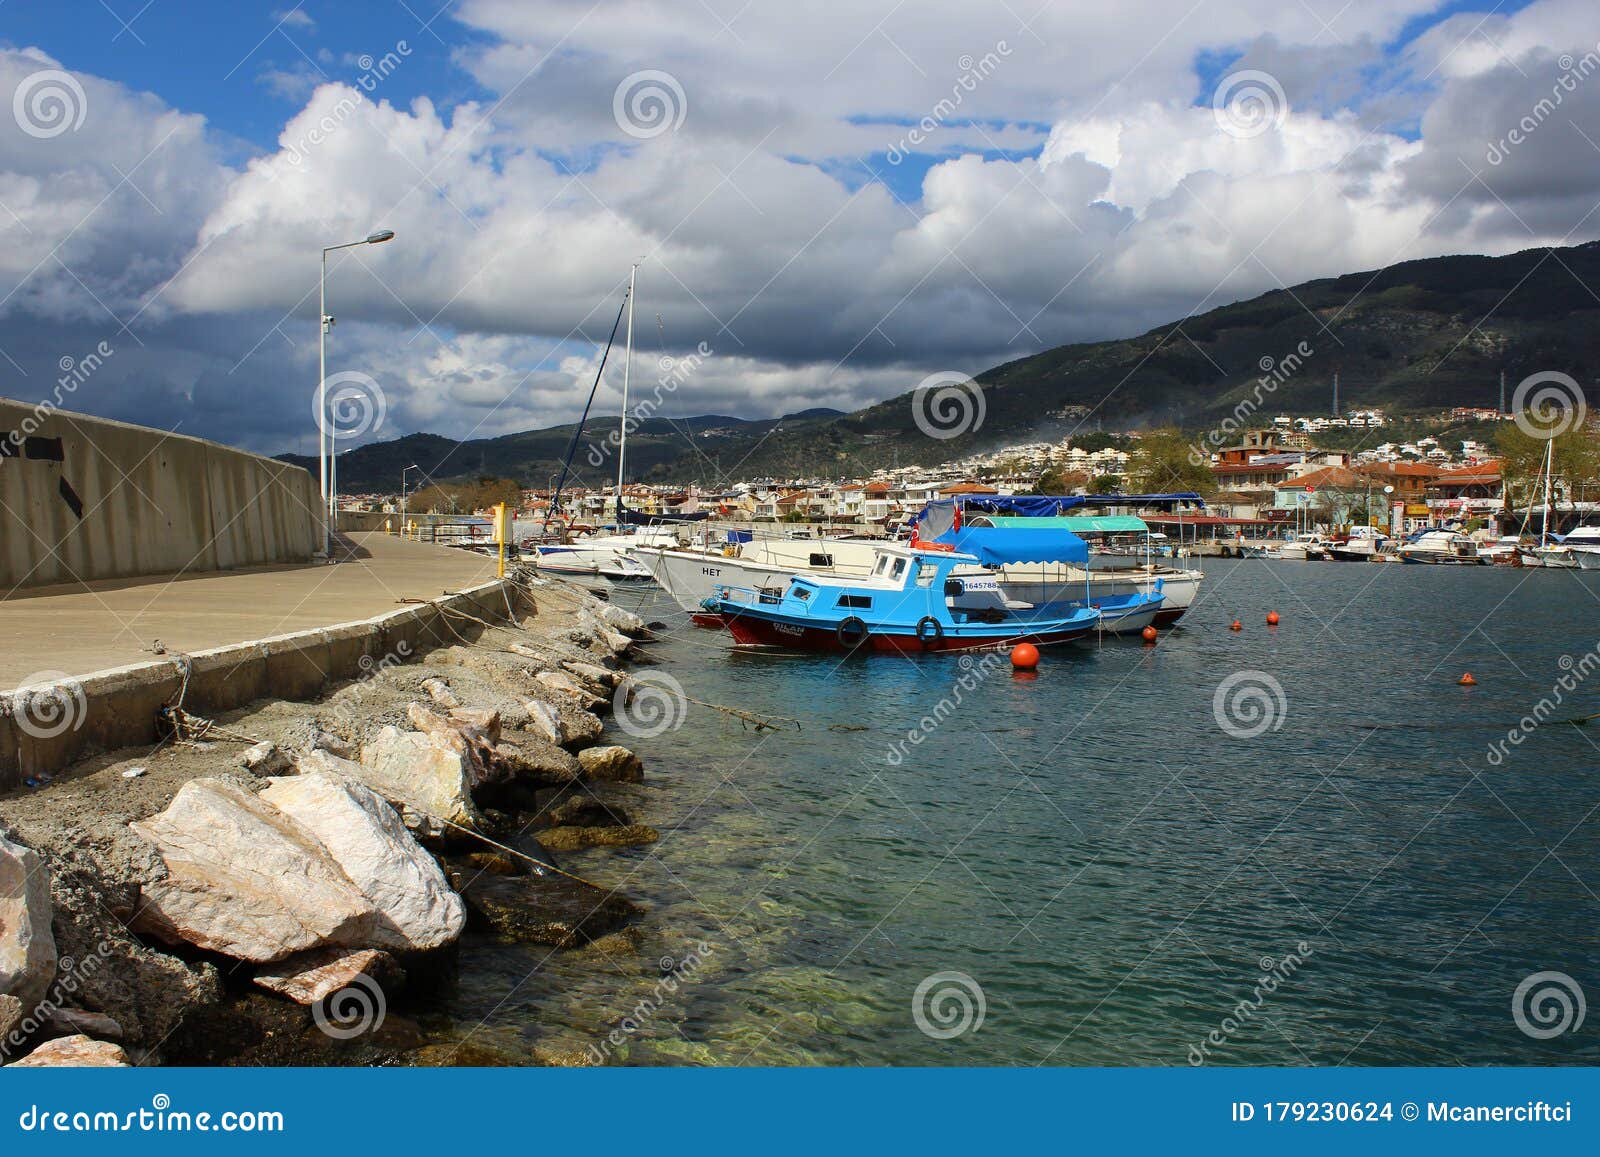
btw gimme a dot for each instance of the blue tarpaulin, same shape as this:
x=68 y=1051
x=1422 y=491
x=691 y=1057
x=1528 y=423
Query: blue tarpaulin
x=995 y=546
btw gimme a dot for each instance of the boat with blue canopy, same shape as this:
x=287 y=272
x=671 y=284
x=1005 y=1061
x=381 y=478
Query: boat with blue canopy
x=1122 y=557
x=911 y=603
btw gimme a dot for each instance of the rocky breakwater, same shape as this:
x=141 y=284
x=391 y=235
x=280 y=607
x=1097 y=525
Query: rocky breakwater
x=298 y=900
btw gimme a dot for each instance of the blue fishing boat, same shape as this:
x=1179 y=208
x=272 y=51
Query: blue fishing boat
x=910 y=603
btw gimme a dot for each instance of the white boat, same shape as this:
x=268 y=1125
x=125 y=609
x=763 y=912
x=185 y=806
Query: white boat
x=1557 y=557
x=1441 y=548
x=691 y=576
x=1507 y=550
x=602 y=553
x=1579 y=549
x=1301 y=548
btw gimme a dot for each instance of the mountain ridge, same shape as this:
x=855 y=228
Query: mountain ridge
x=1412 y=337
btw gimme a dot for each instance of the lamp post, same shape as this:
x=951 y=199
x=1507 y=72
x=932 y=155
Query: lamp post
x=404 y=508
x=324 y=435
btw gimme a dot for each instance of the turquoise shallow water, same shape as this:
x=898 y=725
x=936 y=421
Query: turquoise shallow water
x=1110 y=871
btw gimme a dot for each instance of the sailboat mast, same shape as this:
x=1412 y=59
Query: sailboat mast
x=627 y=365
x=1549 y=463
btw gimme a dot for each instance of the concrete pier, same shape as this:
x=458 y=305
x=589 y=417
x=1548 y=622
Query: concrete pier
x=226 y=639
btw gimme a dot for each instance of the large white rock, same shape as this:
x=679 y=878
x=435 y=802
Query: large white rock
x=27 y=947
x=421 y=773
x=243 y=879
x=417 y=907
x=314 y=861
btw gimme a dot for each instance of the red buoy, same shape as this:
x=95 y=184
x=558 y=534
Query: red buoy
x=1272 y=618
x=1236 y=625
x=1467 y=680
x=1024 y=656
x=1149 y=634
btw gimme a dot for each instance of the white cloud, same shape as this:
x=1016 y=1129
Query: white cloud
x=517 y=217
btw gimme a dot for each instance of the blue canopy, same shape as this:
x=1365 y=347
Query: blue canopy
x=996 y=546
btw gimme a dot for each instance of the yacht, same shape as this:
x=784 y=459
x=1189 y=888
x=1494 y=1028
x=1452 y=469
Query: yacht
x=1442 y=548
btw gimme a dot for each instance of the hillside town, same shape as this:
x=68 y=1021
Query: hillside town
x=1272 y=480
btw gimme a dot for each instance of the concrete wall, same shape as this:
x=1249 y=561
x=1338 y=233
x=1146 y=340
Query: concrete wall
x=86 y=498
x=120 y=707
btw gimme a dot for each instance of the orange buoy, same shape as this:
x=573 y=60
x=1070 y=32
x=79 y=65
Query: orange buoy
x=1024 y=656
x=1149 y=634
x=1272 y=618
x=1467 y=680
x=1236 y=625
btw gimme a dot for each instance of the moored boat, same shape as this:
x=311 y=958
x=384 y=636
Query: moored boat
x=905 y=606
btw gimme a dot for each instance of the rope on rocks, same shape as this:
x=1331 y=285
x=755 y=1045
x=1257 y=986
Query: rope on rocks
x=189 y=728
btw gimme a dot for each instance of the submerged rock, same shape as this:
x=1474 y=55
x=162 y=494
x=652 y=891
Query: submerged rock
x=549 y=909
x=611 y=765
x=73 y=1052
x=27 y=946
x=586 y=811
x=573 y=839
x=315 y=976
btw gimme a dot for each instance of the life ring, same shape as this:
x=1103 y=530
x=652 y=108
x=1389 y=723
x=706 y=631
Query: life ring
x=926 y=637
x=851 y=633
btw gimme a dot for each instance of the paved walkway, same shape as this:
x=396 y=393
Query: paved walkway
x=90 y=626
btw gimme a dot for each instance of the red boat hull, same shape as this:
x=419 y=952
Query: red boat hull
x=753 y=632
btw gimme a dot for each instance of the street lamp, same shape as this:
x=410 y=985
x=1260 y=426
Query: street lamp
x=403 y=507
x=324 y=435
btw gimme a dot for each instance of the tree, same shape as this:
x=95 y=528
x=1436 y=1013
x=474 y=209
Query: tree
x=1163 y=463
x=1105 y=484
x=1575 y=465
x=1058 y=481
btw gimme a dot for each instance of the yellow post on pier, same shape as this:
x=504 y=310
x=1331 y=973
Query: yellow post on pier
x=502 y=532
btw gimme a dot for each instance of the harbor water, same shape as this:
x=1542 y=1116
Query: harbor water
x=1341 y=857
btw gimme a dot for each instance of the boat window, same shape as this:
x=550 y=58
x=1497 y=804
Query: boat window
x=899 y=568
x=861 y=602
x=800 y=592
x=821 y=560
x=883 y=561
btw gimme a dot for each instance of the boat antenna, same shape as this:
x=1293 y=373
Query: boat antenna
x=572 y=448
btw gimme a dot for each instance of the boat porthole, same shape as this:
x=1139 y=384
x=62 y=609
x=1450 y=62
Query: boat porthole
x=929 y=630
x=852 y=632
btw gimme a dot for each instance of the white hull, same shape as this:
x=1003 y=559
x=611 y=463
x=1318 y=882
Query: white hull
x=1059 y=584
x=1588 y=559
